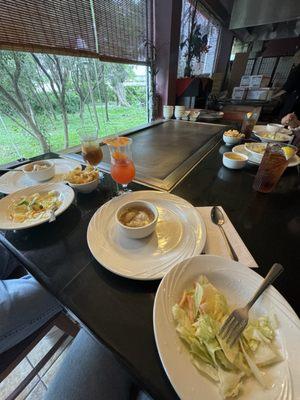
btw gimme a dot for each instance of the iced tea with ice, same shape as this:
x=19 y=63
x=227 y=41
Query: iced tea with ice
x=272 y=166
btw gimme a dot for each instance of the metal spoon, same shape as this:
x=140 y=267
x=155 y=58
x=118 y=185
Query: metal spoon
x=217 y=218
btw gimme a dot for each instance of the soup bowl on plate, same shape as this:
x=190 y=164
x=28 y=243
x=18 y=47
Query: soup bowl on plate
x=137 y=219
x=39 y=171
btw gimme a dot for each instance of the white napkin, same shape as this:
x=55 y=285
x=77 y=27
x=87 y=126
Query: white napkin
x=215 y=243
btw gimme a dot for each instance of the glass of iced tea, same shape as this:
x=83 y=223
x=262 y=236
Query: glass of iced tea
x=122 y=168
x=90 y=147
x=249 y=121
x=272 y=166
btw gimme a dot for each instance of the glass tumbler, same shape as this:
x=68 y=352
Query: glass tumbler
x=90 y=147
x=249 y=121
x=272 y=166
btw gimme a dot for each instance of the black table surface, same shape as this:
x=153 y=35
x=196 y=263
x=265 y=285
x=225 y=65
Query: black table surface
x=118 y=311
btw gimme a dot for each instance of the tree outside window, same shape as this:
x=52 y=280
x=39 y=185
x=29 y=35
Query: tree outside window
x=45 y=99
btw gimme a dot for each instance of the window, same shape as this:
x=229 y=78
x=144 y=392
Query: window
x=267 y=66
x=65 y=64
x=238 y=47
x=208 y=26
x=45 y=99
x=282 y=71
x=249 y=66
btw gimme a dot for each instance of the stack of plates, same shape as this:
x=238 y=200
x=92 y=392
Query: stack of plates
x=179 y=111
x=168 y=112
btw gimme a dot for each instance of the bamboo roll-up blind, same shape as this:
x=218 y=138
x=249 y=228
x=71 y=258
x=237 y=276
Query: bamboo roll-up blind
x=111 y=30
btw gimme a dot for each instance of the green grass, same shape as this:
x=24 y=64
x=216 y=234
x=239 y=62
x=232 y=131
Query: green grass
x=16 y=143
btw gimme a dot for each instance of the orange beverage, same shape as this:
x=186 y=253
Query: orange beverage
x=122 y=171
x=122 y=168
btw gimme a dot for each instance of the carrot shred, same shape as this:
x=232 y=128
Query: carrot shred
x=183 y=299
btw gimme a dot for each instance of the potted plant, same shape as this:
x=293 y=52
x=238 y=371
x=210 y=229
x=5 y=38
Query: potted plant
x=195 y=43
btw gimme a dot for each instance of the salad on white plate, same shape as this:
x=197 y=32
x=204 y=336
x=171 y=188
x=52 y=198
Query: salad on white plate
x=198 y=316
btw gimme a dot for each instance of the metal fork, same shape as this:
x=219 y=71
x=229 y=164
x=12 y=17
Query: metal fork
x=238 y=319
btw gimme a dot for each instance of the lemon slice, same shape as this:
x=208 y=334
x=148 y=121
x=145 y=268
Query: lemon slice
x=288 y=152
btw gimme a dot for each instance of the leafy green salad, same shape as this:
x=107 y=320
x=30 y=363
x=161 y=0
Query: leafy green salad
x=199 y=316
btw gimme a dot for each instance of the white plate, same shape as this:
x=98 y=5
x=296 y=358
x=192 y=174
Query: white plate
x=66 y=196
x=238 y=283
x=265 y=128
x=180 y=233
x=10 y=182
x=294 y=161
x=280 y=137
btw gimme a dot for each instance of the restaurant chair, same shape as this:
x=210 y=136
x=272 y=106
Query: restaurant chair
x=12 y=357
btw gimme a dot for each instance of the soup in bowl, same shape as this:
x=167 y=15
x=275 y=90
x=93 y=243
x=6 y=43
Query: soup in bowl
x=137 y=219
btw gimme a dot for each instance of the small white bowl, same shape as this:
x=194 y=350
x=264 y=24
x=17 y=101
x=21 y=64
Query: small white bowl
x=231 y=141
x=85 y=187
x=234 y=160
x=179 y=114
x=42 y=174
x=137 y=232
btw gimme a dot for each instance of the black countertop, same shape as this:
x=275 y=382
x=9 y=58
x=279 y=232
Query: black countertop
x=118 y=311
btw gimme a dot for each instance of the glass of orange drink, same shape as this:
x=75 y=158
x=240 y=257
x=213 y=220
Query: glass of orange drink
x=122 y=168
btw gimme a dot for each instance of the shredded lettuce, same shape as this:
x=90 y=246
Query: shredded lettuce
x=230 y=383
x=198 y=296
x=198 y=318
x=259 y=375
x=206 y=368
